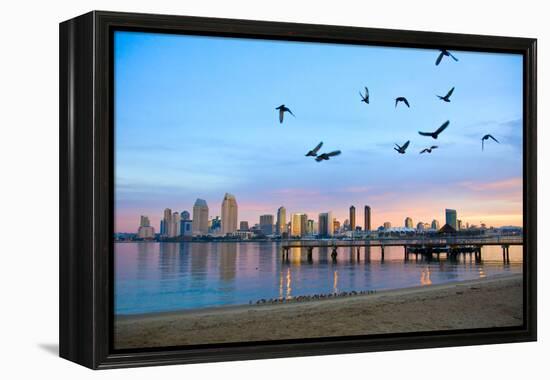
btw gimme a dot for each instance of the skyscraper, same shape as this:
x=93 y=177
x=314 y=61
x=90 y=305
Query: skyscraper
x=408 y=222
x=266 y=224
x=450 y=218
x=145 y=231
x=367 y=225
x=281 y=221
x=352 y=218
x=435 y=224
x=326 y=224
x=387 y=225
x=167 y=221
x=229 y=214
x=175 y=228
x=200 y=217
x=310 y=227
x=299 y=224
x=185 y=215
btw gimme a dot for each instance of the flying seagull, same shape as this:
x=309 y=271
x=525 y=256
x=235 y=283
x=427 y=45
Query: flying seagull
x=402 y=99
x=487 y=137
x=437 y=132
x=313 y=152
x=444 y=53
x=366 y=97
x=327 y=156
x=402 y=149
x=282 y=109
x=447 y=97
x=428 y=150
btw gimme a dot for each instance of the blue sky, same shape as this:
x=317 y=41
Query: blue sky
x=195 y=117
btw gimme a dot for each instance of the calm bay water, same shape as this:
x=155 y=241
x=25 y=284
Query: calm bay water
x=153 y=277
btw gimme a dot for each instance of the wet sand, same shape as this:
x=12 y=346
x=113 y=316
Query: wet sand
x=494 y=302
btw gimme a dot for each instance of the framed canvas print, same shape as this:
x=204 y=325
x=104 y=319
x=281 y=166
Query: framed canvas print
x=239 y=189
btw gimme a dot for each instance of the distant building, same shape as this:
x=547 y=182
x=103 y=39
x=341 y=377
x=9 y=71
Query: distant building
x=266 y=224
x=326 y=224
x=185 y=215
x=167 y=221
x=352 y=218
x=298 y=224
x=459 y=224
x=336 y=227
x=435 y=225
x=145 y=231
x=420 y=226
x=367 y=225
x=387 y=225
x=162 y=228
x=200 y=217
x=408 y=222
x=229 y=214
x=215 y=225
x=310 y=227
x=280 y=227
x=175 y=225
x=243 y=226
x=450 y=218
x=186 y=228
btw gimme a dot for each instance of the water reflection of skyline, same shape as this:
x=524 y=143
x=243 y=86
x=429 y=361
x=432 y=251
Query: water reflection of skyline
x=169 y=276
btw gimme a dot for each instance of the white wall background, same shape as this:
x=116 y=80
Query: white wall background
x=29 y=190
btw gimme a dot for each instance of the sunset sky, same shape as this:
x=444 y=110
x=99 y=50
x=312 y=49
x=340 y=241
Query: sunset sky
x=195 y=117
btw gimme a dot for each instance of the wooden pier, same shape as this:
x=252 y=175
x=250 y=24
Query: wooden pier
x=427 y=248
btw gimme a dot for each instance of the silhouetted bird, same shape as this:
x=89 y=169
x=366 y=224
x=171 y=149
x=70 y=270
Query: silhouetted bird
x=327 y=156
x=446 y=98
x=487 y=137
x=444 y=53
x=428 y=150
x=402 y=99
x=366 y=97
x=313 y=152
x=282 y=109
x=437 y=132
x=402 y=149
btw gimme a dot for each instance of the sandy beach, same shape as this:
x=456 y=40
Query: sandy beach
x=493 y=302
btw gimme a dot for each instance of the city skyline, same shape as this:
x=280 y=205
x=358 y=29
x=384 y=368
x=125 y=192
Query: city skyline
x=174 y=144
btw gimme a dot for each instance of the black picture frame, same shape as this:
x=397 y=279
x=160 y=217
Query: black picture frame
x=86 y=188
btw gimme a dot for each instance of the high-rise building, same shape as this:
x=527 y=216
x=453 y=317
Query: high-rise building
x=435 y=224
x=175 y=227
x=229 y=214
x=408 y=222
x=310 y=230
x=200 y=217
x=162 y=228
x=352 y=218
x=367 y=225
x=450 y=218
x=186 y=228
x=459 y=224
x=326 y=224
x=299 y=224
x=144 y=221
x=243 y=226
x=266 y=224
x=145 y=231
x=387 y=225
x=185 y=215
x=167 y=221
x=280 y=227
x=420 y=226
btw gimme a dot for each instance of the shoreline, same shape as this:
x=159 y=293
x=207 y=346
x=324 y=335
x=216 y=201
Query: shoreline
x=383 y=292
x=490 y=302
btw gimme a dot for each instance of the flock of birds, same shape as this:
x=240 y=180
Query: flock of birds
x=365 y=98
